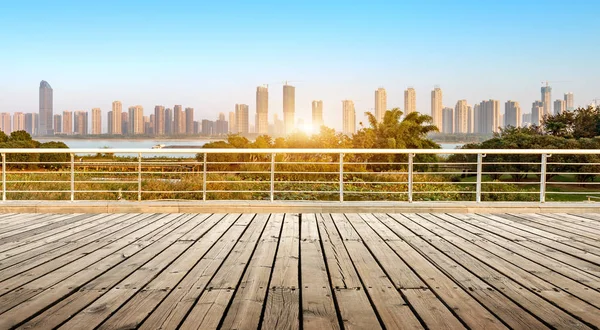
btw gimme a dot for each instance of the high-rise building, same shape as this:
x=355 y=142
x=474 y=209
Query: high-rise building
x=136 y=120
x=570 y=102
x=560 y=106
x=18 y=121
x=262 y=110
x=436 y=106
x=125 y=123
x=31 y=123
x=208 y=127
x=178 y=120
x=169 y=122
x=289 y=107
x=547 y=100
x=317 y=115
x=489 y=117
x=80 y=121
x=461 y=117
x=241 y=119
x=348 y=117
x=512 y=114
x=537 y=113
x=57 y=124
x=380 y=104
x=279 y=125
x=96 y=121
x=5 y=124
x=148 y=124
x=221 y=127
x=447 y=120
x=117 y=115
x=526 y=120
x=46 y=114
x=470 y=120
x=67 y=126
x=159 y=120
x=189 y=121
x=232 y=124
x=477 y=118
x=410 y=101
x=109 y=122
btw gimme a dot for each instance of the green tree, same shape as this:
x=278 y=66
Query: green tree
x=20 y=136
x=54 y=160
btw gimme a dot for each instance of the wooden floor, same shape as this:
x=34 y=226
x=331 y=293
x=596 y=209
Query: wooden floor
x=299 y=271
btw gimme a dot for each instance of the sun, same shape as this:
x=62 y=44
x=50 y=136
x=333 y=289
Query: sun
x=307 y=128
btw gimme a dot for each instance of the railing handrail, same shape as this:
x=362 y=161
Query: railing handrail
x=303 y=151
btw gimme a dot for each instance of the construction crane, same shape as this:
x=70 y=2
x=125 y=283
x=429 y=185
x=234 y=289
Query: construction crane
x=547 y=83
x=281 y=83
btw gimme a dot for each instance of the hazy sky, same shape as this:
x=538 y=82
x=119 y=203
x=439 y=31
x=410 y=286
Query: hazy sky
x=211 y=55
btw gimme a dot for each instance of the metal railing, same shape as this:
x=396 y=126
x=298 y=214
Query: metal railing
x=301 y=174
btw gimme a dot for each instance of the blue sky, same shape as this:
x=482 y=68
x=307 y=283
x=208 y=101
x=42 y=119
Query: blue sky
x=211 y=55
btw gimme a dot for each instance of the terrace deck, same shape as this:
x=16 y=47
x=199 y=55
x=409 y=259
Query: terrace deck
x=300 y=271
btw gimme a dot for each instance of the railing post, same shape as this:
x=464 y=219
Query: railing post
x=272 y=194
x=341 y=177
x=3 y=177
x=478 y=183
x=139 y=176
x=204 y=178
x=410 y=177
x=72 y=177
x=543 y=178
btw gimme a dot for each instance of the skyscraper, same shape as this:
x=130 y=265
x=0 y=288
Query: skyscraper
x=317 y=115
x=109 y=122
x=470 y=123
x=117 y=110
x=18 y=121
x=489 y=116
x=447 y=120
x=569 y=101
x=178 y=120
x=560 y=106
x=125 y=123
x=80 y=122
x=221 y=126
x=537 y=113
x=436 y=106
x=57 y=124
x=67 y=126
x=241 y=118
x=410 y=101
x=232 y=124
x=189 y=121
x=461 y=117
x=380 y=104
x=477 y=118
x=348 y=117
x=46 y=109
x=262 y=110
x=96 y=121
x=512 y=114
x=159 y=120
x=289 y=107
x=31 y=123
x=5 y=124
x=169 y=122
x=546 y=100
x=136 y=120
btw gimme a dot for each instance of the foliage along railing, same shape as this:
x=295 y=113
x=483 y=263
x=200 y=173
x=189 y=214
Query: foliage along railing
x=301 y=174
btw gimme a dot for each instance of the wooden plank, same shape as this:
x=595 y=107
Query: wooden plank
x=132 y=275
x=431 y=310
x=247 y=305
x=25 y=221
x=18 y=231
x=225 y=281
x=282 y=305
x=318 y=308
x=355 y=308
x=570 y=221
x=477 y=276
x=181 y=298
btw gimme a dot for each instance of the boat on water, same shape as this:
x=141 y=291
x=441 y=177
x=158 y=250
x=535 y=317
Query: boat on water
x=158 y=146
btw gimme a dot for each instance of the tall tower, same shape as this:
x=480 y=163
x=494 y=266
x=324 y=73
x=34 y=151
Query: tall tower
x=546 y=100
x=96 y=121
x=317 y=115
x=262 y=110
x=241 y=118
x=232 y=124
x=569 y=101
x=18 y=121
x=489 y=116
x=560 y=106
x=537 y=113
x=461 y=117
x=410 y=101
x=178 y=120
x=81 y=122
x=159 y=120
x=169 y=122
x=436 y=106
x=136 y=120
x=67 y=126
x=380 y=104
x=447 y=120
x=189 y=121
x=117 y=109
x=348 y=117
x=512 y=114
x=46 y=109
x=289 y=107
x=5 y=124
